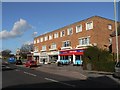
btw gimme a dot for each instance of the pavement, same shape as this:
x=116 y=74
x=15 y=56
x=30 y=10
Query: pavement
x=70 y=71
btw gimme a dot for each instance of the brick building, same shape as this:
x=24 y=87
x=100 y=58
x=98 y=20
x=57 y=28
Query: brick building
x=114 y=44
x=69 y=41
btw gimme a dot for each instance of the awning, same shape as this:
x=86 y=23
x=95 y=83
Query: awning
x=69 y=54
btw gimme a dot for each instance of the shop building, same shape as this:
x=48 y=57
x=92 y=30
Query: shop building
x=73 y=39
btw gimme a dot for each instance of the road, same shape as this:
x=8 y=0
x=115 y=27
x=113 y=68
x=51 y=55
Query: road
x=19 y=77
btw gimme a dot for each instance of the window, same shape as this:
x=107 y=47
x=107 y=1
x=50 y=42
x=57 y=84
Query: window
x=56 y=35
x=36 y=49
x=53 y=46
x=46 y=38
x=44 y=47
x=69 y=31
x=109 y=26
x=66 y=43
x=110 y=40
x=34 y=41
x=41 y=39
x=89 y=25
x=37 y=40
x=62 y=33
x=50 y=37
x=84 y=41
x=78 y=28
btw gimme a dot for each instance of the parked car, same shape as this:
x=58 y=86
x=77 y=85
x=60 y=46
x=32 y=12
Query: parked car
x=117 y=70
x=4 y=63
x=19 y=62
x=63 y=62
x=31 y=63
x=78 y=63
x=11 y=60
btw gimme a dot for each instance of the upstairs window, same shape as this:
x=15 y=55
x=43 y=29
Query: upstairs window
x=110 y=40
x=44 y=47
x=89 y=25
x=41 y=39
x=37 y=40
x=53 y=46
x=84 y=41
x=46 y=38
x=78 y=28
x=109 y=26
x=50 y=37
x=66 y=43
x=34 y=41
x=56 y=35
x=36 y=49
x=62 y=33
x=69 y=31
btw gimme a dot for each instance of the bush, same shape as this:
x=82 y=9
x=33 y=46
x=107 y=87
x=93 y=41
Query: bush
x=103 y=66
x=100 y=60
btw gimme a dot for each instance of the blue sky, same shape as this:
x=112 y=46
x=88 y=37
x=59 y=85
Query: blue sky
x=44 y=17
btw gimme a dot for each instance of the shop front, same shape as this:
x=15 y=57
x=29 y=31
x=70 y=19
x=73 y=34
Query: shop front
x=53 y=56
x=71 y=56
x=44 y=58
x=36 y=56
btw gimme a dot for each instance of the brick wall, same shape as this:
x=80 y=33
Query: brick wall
x=114 y=44
x=100 y=33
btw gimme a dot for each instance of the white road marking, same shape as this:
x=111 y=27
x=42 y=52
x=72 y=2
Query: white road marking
x=17 y=70
x=59 y=82
x=51 y=80
x=83 y=75
x=7 y=67
x=30 y=74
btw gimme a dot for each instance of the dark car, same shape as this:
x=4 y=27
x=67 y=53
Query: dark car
x=19 y=62
x=117 y=70
x=31 y=63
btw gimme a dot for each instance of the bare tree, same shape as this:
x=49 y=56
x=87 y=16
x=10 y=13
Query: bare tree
x=25 y=49
x=6 y=53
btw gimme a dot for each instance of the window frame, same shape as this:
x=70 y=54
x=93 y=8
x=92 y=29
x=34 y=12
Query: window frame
x=79 y=30
x=68 y=31
x=61 y=33
x=89 y=28
x=65 y=43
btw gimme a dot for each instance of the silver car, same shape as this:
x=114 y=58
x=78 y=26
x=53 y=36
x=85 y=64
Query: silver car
x=117 y=70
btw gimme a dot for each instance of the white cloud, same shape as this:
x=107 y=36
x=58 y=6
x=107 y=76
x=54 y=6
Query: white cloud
x=18 y=30
x=35 y=33
x=28 y=43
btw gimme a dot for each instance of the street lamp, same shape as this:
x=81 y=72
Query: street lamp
x=33 y=35
x=116 y=31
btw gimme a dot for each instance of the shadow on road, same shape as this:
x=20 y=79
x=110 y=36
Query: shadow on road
x=96 y=82
x=6 y=68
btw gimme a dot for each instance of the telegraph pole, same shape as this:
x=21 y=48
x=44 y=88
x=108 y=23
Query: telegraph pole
x=116 y=31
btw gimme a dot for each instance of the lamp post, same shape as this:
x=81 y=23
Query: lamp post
x=116 y=31
x=33 y=35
